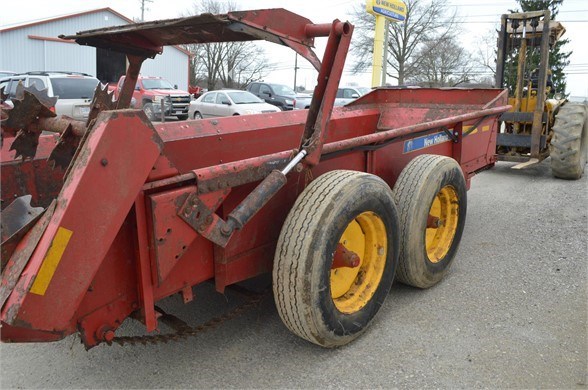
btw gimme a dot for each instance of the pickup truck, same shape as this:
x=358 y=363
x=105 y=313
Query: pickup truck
x=151 y=91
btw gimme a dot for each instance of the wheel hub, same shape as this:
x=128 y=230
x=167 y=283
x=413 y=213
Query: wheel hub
x=442 y=223
x=353 y=286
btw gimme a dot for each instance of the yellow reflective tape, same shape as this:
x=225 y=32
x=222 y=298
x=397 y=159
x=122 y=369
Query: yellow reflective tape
x=486 y=128
x=466 y=130
x=51 y=261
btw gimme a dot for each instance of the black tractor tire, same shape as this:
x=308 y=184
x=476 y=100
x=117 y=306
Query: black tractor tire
x=148 y=110
x=197 y=115
x=182 y=117
x=429 y=185
x=569 y=144
x=336 y=207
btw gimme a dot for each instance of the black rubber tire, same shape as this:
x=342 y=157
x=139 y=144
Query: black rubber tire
x=197 y=115
x=414 y=192
x=569 y=144
x=182 y=117
x=148 y=110
x=302 y=263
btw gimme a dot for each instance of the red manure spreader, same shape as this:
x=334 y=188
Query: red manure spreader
x=102 y=219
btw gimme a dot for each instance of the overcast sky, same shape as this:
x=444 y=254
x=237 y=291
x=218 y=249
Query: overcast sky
x=476 y=19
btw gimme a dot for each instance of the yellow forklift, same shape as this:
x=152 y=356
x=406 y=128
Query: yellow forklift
x=537 y=127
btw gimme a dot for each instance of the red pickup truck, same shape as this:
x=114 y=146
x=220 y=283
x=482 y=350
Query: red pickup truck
x=149 y=94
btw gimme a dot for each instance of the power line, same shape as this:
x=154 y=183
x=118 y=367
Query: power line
x=497 y=22
x=499 y=14
x=496 y=3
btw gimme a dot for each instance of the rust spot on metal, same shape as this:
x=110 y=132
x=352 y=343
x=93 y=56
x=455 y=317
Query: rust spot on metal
x=434 y=222
x=236 y=174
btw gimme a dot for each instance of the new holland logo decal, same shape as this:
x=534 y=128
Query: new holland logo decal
x=425 y=141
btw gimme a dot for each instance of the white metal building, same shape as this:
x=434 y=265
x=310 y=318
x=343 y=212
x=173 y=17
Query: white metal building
x=36 y=47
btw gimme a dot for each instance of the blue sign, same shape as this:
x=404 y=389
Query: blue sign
x=425 y=141
x=388 y=13
x=394 y=10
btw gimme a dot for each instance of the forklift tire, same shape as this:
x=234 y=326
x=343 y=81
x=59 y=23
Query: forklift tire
x=148 y=110
x=326 y=305
x=569 y=145
x=431 y=197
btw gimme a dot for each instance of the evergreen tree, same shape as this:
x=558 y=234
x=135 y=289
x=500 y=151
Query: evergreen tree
x=558 y=58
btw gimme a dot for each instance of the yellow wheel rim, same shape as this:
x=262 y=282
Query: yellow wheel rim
x=352 y=288
x=445 y=209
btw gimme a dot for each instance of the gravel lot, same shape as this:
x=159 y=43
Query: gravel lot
x=511 y=313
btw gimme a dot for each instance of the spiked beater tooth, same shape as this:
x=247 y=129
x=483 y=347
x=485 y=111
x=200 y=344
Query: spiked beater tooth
x=65 y=149
x=43 y=98
x=25 y=144
x=102 y=101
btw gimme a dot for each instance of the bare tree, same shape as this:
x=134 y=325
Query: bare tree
x=443 y=63
x=485 y=57
x=226 y=64
x=242 y=64
x=426 y=21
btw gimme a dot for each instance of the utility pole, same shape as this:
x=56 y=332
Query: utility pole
x=295 y=69
x=385 y=62
x=143 y=8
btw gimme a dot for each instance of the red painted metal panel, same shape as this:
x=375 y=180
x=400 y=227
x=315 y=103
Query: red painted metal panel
x=195 y=266
x=117 y=155
x=162 y=169
x=113 y=294
x=204 y=143
x=280 y=22
x=170 y=235
x=209 y=142
x=142 y=254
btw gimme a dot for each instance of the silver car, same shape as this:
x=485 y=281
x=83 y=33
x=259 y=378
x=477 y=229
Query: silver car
x=74 y=91
x=228 y=102
x=302 y=101
x=348 y=94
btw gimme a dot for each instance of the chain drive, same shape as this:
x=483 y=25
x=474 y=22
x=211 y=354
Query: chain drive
x=184 y=331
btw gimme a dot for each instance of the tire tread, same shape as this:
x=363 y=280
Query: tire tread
x=404 y=188
x=568 y=144
x=288 y=296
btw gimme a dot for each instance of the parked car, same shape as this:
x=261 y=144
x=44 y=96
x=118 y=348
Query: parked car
x=74 y=90
x=4 y=83
x=151 y=91
x=279 y=95
x=302 y=101
x=6 y=73
x=228 y=102
x=348 y=94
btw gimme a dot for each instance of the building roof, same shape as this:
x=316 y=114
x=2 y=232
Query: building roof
x=73 y=15
x=61 y=17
